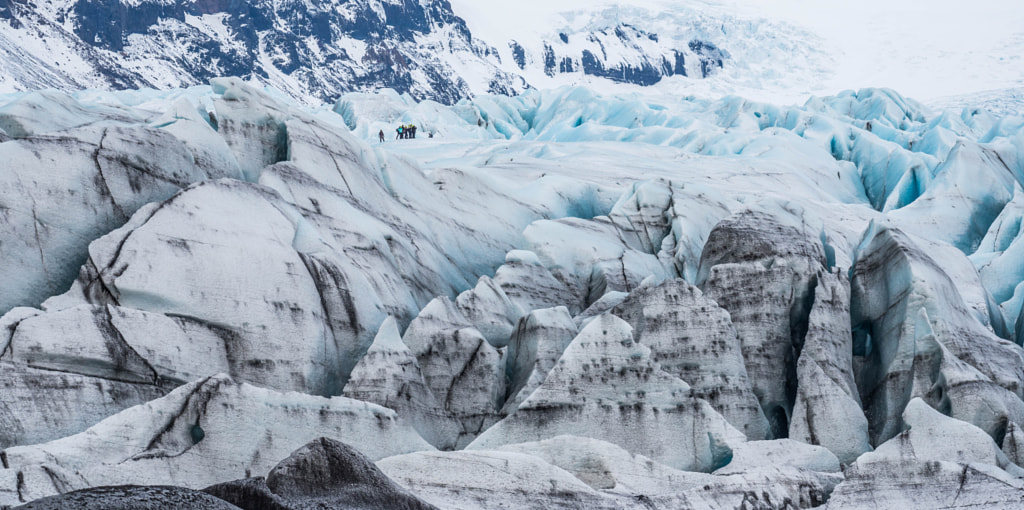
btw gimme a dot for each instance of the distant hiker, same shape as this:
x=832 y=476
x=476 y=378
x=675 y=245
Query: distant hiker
x=430 y=134
x=381 y=136
x=399 y=131
x=412 y=131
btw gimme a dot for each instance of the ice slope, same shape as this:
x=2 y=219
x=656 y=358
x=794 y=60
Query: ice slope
x=768 y=282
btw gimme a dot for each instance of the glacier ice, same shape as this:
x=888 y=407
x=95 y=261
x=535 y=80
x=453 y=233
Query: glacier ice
x=602 y=302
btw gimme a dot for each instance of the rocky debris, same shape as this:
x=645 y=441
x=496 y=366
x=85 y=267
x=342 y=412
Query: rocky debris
x=130 y=497
x=692 y=338
x=606 y=386
x=202 y=433
x=322 y=474
x=762 y=268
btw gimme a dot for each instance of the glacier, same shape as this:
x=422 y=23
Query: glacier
x=564 y=299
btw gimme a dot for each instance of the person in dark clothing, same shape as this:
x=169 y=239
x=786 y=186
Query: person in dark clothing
x=399 y=131
x=412 y=131
x=381 y=136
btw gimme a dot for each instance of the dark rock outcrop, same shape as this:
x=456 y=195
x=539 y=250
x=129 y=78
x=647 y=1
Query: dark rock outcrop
x=323 y=474
x=130 y=497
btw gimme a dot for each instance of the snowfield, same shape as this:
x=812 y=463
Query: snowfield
x=563 y=299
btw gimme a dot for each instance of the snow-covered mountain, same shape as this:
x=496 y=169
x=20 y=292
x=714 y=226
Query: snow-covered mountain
x=562 y=300
x=317 y=50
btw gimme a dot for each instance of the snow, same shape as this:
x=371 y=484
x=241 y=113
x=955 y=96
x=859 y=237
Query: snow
x=946 y=49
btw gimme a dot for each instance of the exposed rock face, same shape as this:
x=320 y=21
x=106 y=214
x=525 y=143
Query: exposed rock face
x=322 y=474
x=202 y=433
x=916 y=338
x=763 y=270
x=693 y=339
x=607 y=387
x=129 y=497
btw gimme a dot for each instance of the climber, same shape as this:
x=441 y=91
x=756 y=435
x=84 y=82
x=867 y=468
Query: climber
x=412 y=131
x=381 y=136
x=399 y=130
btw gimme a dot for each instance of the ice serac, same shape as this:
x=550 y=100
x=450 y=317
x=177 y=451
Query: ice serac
x=389 y=375
x=1013 y=444
x=997 y=260
x=96 y=176
x=490 y=311
x=692 y=338
x=671 y=220
x=914 y=337
x=540 y=339
x=324 y=473
x=53 y=363
x=462 y=370
x=205 y=432
x=252 y=283
x=762 y=268
x=591 y=257
x=252 y=125
x=939 y=462
x=607 y=387
x=975 y=179
x=827 y=410
x=530 y=285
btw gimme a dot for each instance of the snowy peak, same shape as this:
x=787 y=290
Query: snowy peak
x=622 y=53
x=317 y=50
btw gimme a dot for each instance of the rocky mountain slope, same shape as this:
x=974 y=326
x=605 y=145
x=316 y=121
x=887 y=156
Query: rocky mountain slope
x=563 y=299
x=316 y=50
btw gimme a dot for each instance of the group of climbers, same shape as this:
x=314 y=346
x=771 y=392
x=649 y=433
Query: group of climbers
x=408 y=131
x=404 y=131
